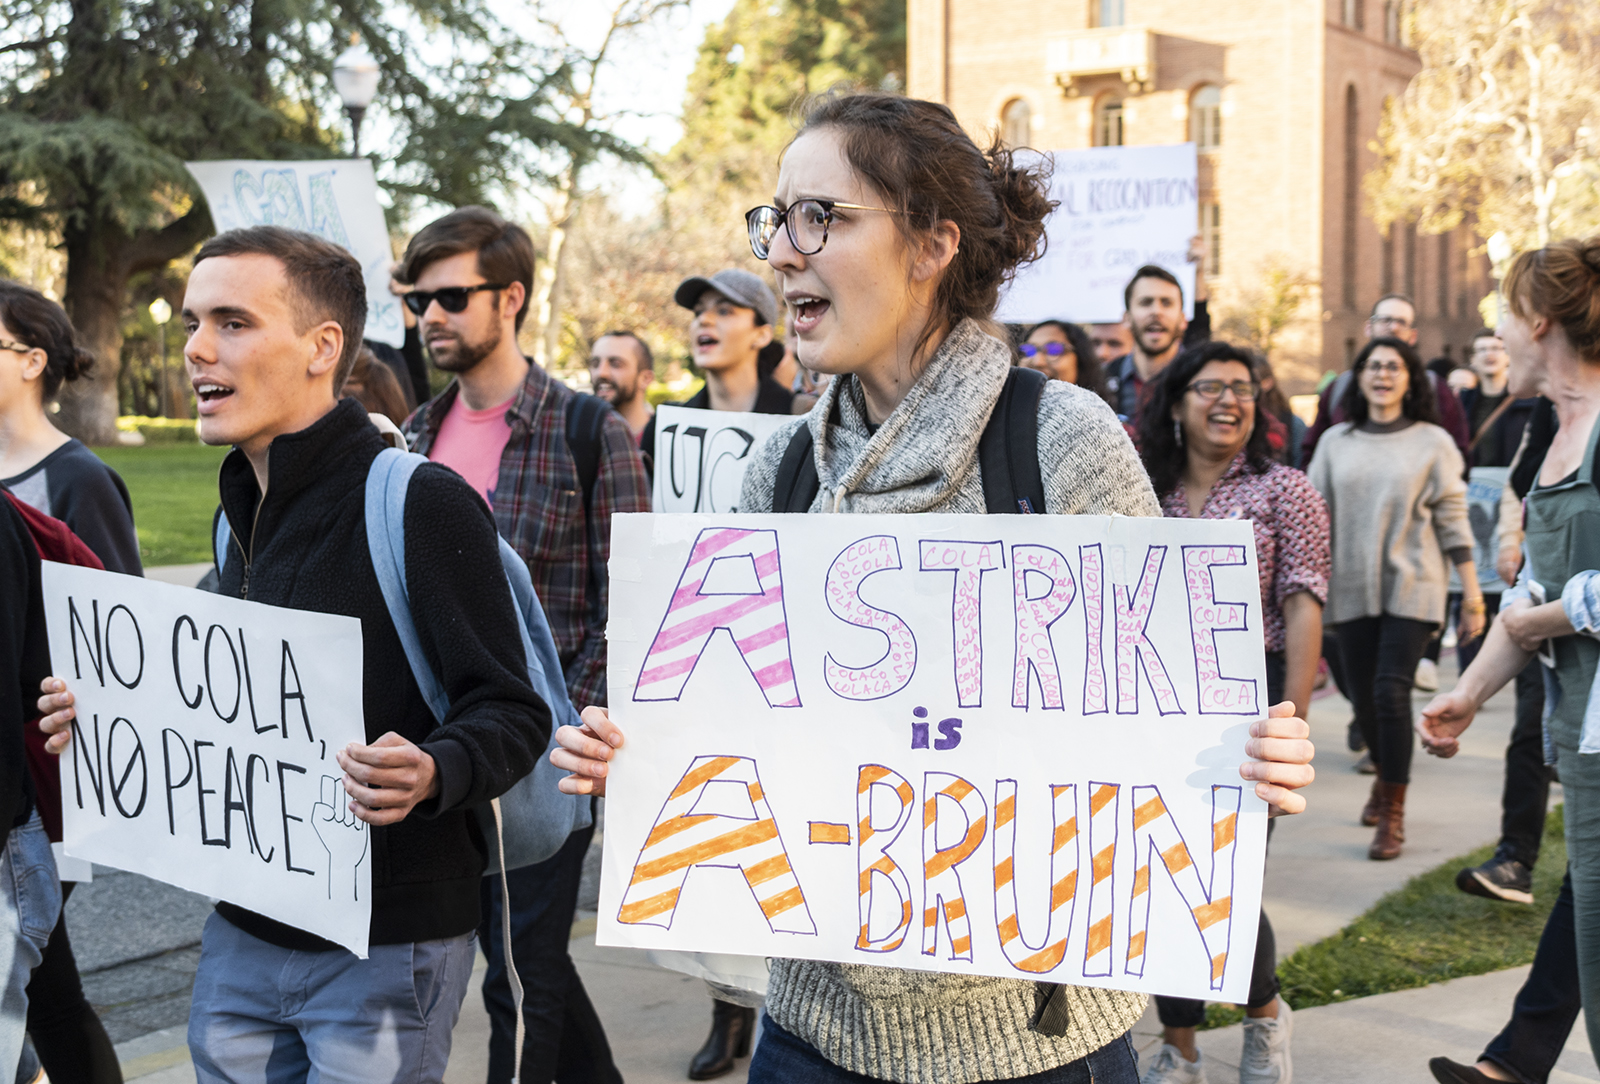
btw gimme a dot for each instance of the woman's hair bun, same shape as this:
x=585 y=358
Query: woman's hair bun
x=1023 y=193
x=79 y=365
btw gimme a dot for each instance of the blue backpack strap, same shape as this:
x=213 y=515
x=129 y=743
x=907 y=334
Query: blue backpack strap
x=387 y=483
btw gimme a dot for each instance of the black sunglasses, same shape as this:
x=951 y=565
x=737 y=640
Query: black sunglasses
x=450 y=299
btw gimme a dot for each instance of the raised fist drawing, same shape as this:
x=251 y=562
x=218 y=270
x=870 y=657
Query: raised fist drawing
x=343 y=836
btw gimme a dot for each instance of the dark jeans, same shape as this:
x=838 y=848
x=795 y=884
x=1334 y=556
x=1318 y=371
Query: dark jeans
x=1380 y=656
x=68 y=1037
x=782 y=1058
x=1468 y=651
x=1330 y=652
x=1527 y=787
x=1548 y=1003
x=565 y=1041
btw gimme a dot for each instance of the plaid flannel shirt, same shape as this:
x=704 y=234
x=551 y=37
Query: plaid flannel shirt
x=539 y=509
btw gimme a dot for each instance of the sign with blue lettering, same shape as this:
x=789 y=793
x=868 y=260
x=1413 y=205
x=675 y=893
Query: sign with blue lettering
x=1118 y=208
x=203 y=750
x=992 y=745
x=336 y=199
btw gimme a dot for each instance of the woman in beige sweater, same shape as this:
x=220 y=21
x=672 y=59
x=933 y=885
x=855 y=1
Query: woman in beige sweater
x=1392 y=480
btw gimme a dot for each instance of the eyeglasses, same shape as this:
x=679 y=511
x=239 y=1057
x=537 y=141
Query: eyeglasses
x=16 y=347
x=1389 y=321
x=1055 y=350
x=1243 y=390
x=1386 y=367
x=807 y=221
x=450 y=299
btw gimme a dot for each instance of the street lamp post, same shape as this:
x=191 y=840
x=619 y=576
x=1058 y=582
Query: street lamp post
x=161 y=312
x=355 y=77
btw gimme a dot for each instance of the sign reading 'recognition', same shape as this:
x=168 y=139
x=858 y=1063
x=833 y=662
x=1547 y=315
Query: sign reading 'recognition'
x=336 y=199
x=985 y=745
x=203 y=750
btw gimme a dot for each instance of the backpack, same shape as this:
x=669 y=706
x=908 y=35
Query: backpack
x=1008 y=454
x=537 y=816
x=1008 y=457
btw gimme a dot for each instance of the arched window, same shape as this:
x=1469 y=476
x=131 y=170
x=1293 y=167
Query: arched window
x=1108 y=122
x=1205 y=118
x=1016 y=123
x=1352 y=183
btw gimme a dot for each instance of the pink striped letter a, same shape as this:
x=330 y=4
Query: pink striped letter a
x=754 y=619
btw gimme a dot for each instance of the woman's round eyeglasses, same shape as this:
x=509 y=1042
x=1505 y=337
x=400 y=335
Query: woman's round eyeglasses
x=807 y=221
x=1243 y=390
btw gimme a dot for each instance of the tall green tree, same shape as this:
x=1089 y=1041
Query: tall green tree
x=101 y=102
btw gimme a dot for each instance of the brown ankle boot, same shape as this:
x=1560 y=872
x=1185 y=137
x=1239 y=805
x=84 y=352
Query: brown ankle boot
x=1369 y=812
x=1391 y=822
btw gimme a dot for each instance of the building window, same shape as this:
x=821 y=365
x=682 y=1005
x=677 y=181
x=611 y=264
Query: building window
x=1113 y=12
x=1386 y=265
x=1016 y=123
x=1353 y=14
x=1108 y=123
x=1352 y=183
x=1205 y=118
x=1211 y=231
x=1411 y=260
x=1391 y=22
x=1445 y=259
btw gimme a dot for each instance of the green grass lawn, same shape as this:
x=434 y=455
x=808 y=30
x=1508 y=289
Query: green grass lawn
x=1423 y=932
x=174 y=490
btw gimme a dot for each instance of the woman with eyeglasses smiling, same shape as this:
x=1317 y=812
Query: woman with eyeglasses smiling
x=1064 y=351
x=890 y=236
x=1392 y=480
x=1203 y=438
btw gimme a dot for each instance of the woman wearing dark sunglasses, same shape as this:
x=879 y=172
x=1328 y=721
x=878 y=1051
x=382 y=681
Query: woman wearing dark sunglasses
x=1392 y=480
x=1064 y=351
x=1203 y=438
x=890 y=236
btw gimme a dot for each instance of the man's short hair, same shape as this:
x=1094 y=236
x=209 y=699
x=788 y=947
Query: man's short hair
x=1393 y=297
x=1482 y=333
x=1149 y=271
x=324 y=279
x=505 y=251
x=647 y=360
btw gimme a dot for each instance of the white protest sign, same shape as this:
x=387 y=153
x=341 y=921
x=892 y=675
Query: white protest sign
x=701 y=455
x=1120 y=208
x=1000 y=745
x=336 y=199
x=203 y=750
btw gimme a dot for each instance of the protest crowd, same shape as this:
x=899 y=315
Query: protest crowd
x=889 y=240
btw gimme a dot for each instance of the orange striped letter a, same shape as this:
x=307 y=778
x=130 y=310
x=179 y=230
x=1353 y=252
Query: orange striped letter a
x=745 y=839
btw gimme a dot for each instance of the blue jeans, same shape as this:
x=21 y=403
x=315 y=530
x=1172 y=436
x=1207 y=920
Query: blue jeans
x=28 y=911
x=782 y=1058
x=268 y=1015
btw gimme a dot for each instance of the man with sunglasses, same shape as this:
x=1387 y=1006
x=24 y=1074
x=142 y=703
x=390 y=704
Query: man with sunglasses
x=554 y=467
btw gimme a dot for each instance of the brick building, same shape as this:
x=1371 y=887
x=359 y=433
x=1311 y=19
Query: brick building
x=1283 y=99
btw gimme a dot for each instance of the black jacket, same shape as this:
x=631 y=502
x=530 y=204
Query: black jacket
x=1499 y=445
x=24 y=661
x=305 y=547
x=771 y=398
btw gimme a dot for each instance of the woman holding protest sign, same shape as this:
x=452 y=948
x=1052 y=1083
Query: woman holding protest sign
x=891 y=239
x=1204 y=441
x=1392 y=480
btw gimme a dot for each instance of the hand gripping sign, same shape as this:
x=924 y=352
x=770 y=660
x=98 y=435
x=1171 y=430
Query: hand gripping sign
x=203 y=750
x=1000 y=745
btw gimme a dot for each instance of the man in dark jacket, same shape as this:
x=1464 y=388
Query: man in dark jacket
x=30 y=895
x=274 y=320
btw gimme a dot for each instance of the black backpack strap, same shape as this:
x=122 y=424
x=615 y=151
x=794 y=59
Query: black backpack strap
x=586 y=415
x=797 y=482
x=1008 y=451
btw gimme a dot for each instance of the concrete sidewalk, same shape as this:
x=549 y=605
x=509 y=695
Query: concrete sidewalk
x=1318 y=880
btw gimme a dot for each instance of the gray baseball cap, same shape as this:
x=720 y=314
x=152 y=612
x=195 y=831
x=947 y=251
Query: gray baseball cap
x=737 y=285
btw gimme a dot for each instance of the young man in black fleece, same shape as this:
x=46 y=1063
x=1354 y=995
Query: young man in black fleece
x=30 y=895
x=274 y=320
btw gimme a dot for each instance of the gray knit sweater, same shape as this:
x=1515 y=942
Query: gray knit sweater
x=919 y=1027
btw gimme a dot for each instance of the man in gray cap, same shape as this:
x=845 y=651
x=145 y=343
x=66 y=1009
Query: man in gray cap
x=733 y=340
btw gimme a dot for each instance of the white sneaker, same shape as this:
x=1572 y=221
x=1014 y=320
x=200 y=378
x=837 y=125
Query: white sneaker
x=1171 y=1067
x=1427 y=676
x=1266 y=1049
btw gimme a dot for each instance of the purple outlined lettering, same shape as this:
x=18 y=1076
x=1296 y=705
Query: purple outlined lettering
x=1135 y=652
x=892 y=671
x=1035 y=650
x=1209 y=615
x=969 y=561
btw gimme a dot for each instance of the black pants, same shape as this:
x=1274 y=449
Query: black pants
x=1548 y=1003
x=1380 y=656
x=1468 y=651
x=1527 y=786
x=565 y=1041
x=68 y=1037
